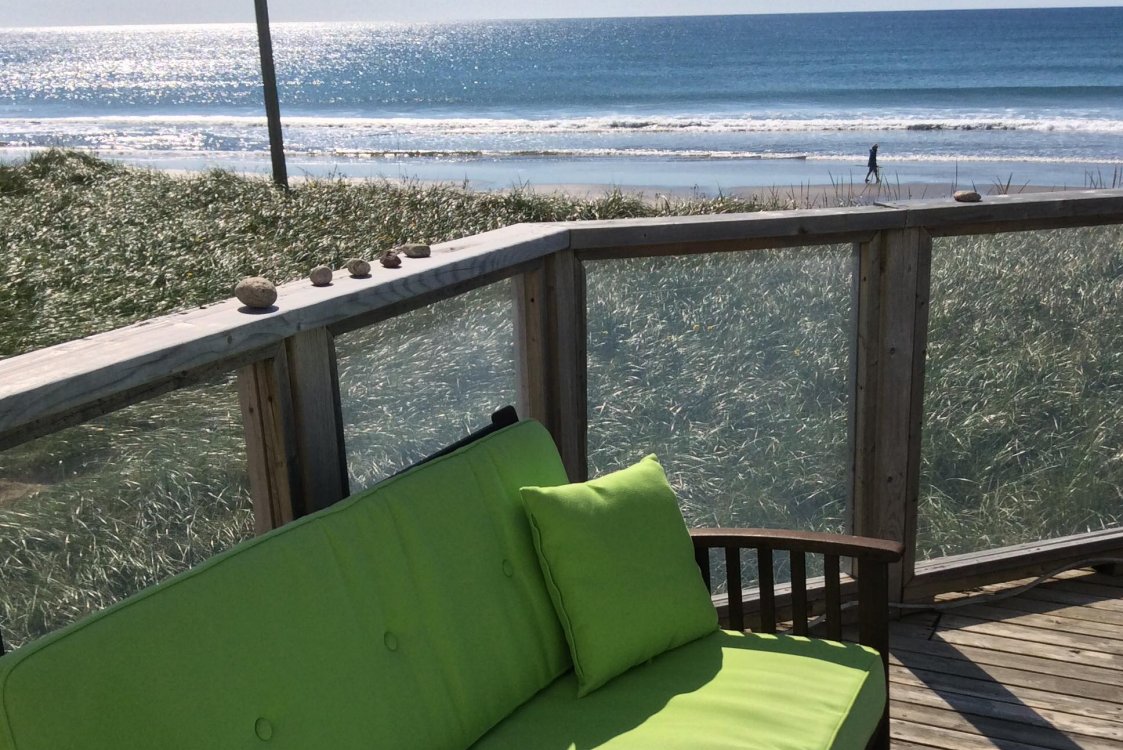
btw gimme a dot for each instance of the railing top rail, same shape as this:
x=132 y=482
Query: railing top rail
x=64 y=378
x=1019 y=212
x=938 y=216
x=718 y=228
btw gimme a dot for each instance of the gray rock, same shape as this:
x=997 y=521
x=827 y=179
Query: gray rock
x=413 y=250
x=320 y=276
x=966 y=196
x=256 y=292
x=390 y=259
x=358 y=267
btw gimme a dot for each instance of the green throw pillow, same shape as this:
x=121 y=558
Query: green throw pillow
x=620 y=568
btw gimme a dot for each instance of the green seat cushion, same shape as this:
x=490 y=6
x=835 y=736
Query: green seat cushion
x=620 y=568
x=413 y=615
x=727 y=691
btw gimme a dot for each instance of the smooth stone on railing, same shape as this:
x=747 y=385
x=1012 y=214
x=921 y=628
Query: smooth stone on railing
x=358 y=267
x=413 y=250
x=966 y=196
x=320 y=276
x=256 y=292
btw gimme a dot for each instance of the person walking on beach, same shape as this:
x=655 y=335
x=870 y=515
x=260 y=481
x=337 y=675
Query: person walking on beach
x=873 y=165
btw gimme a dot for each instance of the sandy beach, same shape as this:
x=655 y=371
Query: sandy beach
x=799 y=196
x=806 y=195
x=704 y=177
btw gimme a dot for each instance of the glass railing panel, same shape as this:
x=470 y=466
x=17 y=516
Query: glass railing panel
x=96 y=512
x=733 y=369
x=1023 y=439
x=418 y=382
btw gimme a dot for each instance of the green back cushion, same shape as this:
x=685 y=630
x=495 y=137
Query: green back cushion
x=726 y=690
x=412 y=615
x=620 y=568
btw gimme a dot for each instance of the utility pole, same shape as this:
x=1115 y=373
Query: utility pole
x=272 y=104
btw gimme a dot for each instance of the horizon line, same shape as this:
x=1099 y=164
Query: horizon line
x=328 y=22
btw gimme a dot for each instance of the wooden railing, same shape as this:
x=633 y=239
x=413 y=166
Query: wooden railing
x=289 y=388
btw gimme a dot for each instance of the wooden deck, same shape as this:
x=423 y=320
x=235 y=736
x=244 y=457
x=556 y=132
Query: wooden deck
x=1043 y=669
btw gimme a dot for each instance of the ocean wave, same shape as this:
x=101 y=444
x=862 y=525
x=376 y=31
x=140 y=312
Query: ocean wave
x=687 y=155
x=482 y=126
x=556 y=153
x=636 y=157
x=397 y=156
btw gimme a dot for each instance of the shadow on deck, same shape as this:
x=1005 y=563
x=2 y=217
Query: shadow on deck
x=1043 y=669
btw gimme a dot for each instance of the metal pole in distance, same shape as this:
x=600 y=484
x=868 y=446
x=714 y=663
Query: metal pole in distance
x=272 y=105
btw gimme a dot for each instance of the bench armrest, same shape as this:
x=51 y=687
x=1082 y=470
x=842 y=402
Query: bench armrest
x=815 y=542
x=873 y=557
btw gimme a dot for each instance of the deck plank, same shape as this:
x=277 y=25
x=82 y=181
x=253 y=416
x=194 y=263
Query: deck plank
x=1096 y=648
x=1051 y=593
x=992 y=690
x=1045 y=621
x=979 y=651
x=1069 y=612
x=1042 y=719
x=917 y=732
x=1000 y=733
x=1086 y=692
x=1096 y=661
x=1088 y=586
x=1041 y=669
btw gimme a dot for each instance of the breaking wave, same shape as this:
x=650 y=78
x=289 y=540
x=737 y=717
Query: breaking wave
x=718 y=124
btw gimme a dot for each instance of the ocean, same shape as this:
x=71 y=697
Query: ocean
x=711 y=103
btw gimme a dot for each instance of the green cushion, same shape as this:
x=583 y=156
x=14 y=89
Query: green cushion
x=727 y=691
x=619 y=565
x=412 y=615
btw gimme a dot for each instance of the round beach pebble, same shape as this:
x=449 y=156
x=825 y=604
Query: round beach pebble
x=358 y=267
x=320 y=276
x=413 y=250
x=390 y=259
x=255 y=291
x=966 y=196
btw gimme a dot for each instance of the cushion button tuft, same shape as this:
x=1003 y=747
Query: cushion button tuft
x=508 y=568
x=391 y=641
x=263 y=729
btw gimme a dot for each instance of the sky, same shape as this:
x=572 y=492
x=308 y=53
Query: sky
x=85 y=12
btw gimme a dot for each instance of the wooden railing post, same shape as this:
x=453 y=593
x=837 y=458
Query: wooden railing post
x=529 y=310
x=551 y=350
x=892 y=328
x=317 y=418
x=271 y=455
x=294 y=435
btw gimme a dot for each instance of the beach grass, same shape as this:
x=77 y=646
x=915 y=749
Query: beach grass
x=1024 y=388
x=96 y=512
x=124 y=244
x=732 y=368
